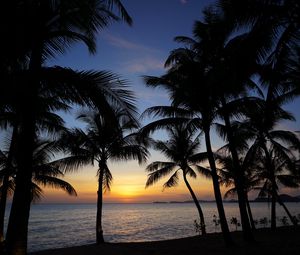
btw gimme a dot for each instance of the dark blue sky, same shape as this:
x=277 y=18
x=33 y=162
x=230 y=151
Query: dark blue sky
x=140 y=49
x=143 y=48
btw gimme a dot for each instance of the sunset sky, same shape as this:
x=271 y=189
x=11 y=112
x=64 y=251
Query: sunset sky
x=133 y=52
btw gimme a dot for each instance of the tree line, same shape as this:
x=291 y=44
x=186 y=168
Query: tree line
x=234 y=76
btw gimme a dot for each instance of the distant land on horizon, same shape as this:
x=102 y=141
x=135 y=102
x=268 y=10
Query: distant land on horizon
x=284 y=198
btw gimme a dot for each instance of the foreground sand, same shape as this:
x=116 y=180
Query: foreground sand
x=285 y=240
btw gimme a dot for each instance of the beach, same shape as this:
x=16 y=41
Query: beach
x=285 y=240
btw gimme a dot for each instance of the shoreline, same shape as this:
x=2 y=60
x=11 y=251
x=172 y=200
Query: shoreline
x=284 y=240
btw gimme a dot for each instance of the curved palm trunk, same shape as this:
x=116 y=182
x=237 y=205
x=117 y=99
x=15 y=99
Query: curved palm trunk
x=3 y=206
x=249 y=211
x=5 y=183
x=17 y=231
x=239 y=183
x=201 y=216
x=217 y=192
x=99 y=230
x=270 y=169
x=292 y=219
x=273 y=208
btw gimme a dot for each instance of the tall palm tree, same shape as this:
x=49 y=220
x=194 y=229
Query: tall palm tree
x=205 y=76
x=43 y=29
x=103 y=141
x=188 y=88
x=181 y=148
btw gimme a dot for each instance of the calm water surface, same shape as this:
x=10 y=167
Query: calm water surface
x=62 y=225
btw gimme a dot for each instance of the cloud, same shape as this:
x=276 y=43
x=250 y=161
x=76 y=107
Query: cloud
x=144 y=65
x=184 y=1
x=125 y=44
x=140 y=59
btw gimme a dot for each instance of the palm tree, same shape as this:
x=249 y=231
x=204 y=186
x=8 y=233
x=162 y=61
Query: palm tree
x=227 y=178
x=188 y=88
x=181 y=149
x=46 y=172
x=278 y=27
x=10 y=120
x=273 y=169
x=103 y=141
x=278 y=19
x=43 y=29
x=205 y=76
x=5 y=179
x=261 y=124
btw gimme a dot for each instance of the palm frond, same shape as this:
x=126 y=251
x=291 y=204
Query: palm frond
x=230 y=193
x=156 y=175
x=190 y=171
x=203 y=171
x=50 y=181
x=107 y=180
x=172 y=182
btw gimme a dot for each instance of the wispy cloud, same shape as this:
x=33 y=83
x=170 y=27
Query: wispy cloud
x=144 y=65
x=126 y=44
x=184 y=1
x=140 y=59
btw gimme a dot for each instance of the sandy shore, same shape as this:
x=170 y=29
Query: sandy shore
x=285 y=240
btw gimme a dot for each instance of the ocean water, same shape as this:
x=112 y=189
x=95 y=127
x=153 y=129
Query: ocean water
x=63 y=225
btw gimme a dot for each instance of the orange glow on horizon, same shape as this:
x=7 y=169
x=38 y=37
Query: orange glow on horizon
x=128 y=187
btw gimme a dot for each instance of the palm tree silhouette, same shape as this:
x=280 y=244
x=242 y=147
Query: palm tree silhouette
x=227 y=176
x=188 y=88
x=44 y=29
x=46 y=172
x=103 y=141
x=274 y=169
x=5 y=176
x=181 y=149
x=261 y=124
x=204 y=76
x=278 y=19
x=10 y=120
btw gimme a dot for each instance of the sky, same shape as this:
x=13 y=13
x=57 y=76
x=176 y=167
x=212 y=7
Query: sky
x=133 y=52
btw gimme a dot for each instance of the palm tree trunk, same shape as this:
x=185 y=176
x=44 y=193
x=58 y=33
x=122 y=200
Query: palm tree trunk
x=247 y=232
x=17 y=231
x=19 y=215
x=99 y=230
x=292 y=219
x=273 y=208
x=250 y=212
x=5 y=182
x=217 y=192
x=239 y=180
x=201 y=216
x=271 y=173
x=3 y=205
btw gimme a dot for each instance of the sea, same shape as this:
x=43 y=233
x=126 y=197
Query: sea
x=63 y=225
